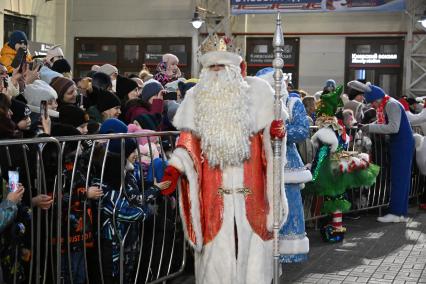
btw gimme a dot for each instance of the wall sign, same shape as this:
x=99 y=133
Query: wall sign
x=375 y=58
x=96 y=57
x=307 y=6
x=262 y=53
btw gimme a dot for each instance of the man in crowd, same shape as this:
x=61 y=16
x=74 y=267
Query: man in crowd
x=226 y=193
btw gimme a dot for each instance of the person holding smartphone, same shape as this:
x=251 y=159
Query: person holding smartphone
x=17 y=40
x=151 y=102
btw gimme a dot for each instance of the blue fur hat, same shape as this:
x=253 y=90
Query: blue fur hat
x=375 y=94
x=264 y=71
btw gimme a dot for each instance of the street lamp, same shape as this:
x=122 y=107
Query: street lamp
x=422 y=20
x=201 y=14
x=196 y=21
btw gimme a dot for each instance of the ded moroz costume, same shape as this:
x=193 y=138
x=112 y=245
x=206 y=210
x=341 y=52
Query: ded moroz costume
x=224 y=161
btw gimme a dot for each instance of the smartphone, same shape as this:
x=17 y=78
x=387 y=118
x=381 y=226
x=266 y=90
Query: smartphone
x=5 y=83
x=43 y=109
x=20 y=56
x=171 y=96
x=13 y=180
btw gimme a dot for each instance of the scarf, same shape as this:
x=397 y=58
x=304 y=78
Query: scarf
x=380 y=114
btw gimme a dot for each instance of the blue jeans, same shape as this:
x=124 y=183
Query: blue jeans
x=77 y=267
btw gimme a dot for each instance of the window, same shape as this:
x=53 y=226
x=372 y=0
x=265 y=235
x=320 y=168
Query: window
x=109 y=48
x=88 y=47
x=177 y=48
x=131 y=52
x=13 y=23
x=389 y=48
x=154 y=48
x=363 y=48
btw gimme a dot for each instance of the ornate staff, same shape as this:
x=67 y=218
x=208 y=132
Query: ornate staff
x=278 y=64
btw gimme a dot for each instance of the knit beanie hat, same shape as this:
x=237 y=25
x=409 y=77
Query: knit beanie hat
x=20 y=110
x=125 y=86
x=17 y=37
x=107 y=100
x=72 y=115
x=61 y=85
x=147 y=121
x=61 y=66
x=152 y=88
x=172 y=108
x=54 y=51
x=133 y=128
x=108 y=69
x=330 y=83
x=39 y=91
x=185 y=86
x=113 y=125
x=375 y=94
x=174 y=85
x=101 y=81
x=47 y=74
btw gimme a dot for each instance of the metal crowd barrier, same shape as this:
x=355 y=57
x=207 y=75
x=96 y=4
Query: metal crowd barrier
x=161 y=249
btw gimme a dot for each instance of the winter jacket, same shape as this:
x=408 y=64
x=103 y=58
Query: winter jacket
x=8 y=211
x=7 y=55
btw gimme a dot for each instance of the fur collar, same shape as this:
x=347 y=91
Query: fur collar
x=260 y=106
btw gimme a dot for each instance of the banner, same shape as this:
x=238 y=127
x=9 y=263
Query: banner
x=306 y=6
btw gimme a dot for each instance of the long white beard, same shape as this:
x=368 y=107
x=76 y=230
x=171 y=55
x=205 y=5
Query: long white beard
x=222 y=116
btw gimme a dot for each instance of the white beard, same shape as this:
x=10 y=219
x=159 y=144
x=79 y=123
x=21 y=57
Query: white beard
x=222 y=117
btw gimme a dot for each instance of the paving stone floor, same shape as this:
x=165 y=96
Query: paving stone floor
x=371 y=253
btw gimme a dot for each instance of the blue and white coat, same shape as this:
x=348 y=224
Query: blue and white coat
x=294 y=245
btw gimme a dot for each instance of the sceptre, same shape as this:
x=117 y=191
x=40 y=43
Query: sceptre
x=277 y=64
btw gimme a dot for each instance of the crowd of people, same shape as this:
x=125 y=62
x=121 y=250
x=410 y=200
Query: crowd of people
x=226 y=124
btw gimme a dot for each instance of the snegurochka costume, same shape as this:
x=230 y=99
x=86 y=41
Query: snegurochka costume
x=335 y=169
x=294 y=244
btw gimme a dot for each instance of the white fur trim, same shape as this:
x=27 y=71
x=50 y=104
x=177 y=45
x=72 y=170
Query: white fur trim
x=296 y=246
x=301 y=176
x=192 y=177
x=420 y=152
x=260 y=107
x=326 y=136
x=270 y=181
x=176 y=162
x=290 y=104
x=220 y=57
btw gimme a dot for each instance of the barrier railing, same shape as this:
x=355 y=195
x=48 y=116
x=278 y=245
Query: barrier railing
x=153 y=243
x=151 y=249
x=376 y=196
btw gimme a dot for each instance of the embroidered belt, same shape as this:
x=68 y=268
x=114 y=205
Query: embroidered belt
x=243 y=190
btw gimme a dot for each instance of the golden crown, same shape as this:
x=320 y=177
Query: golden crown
x=213 y=43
